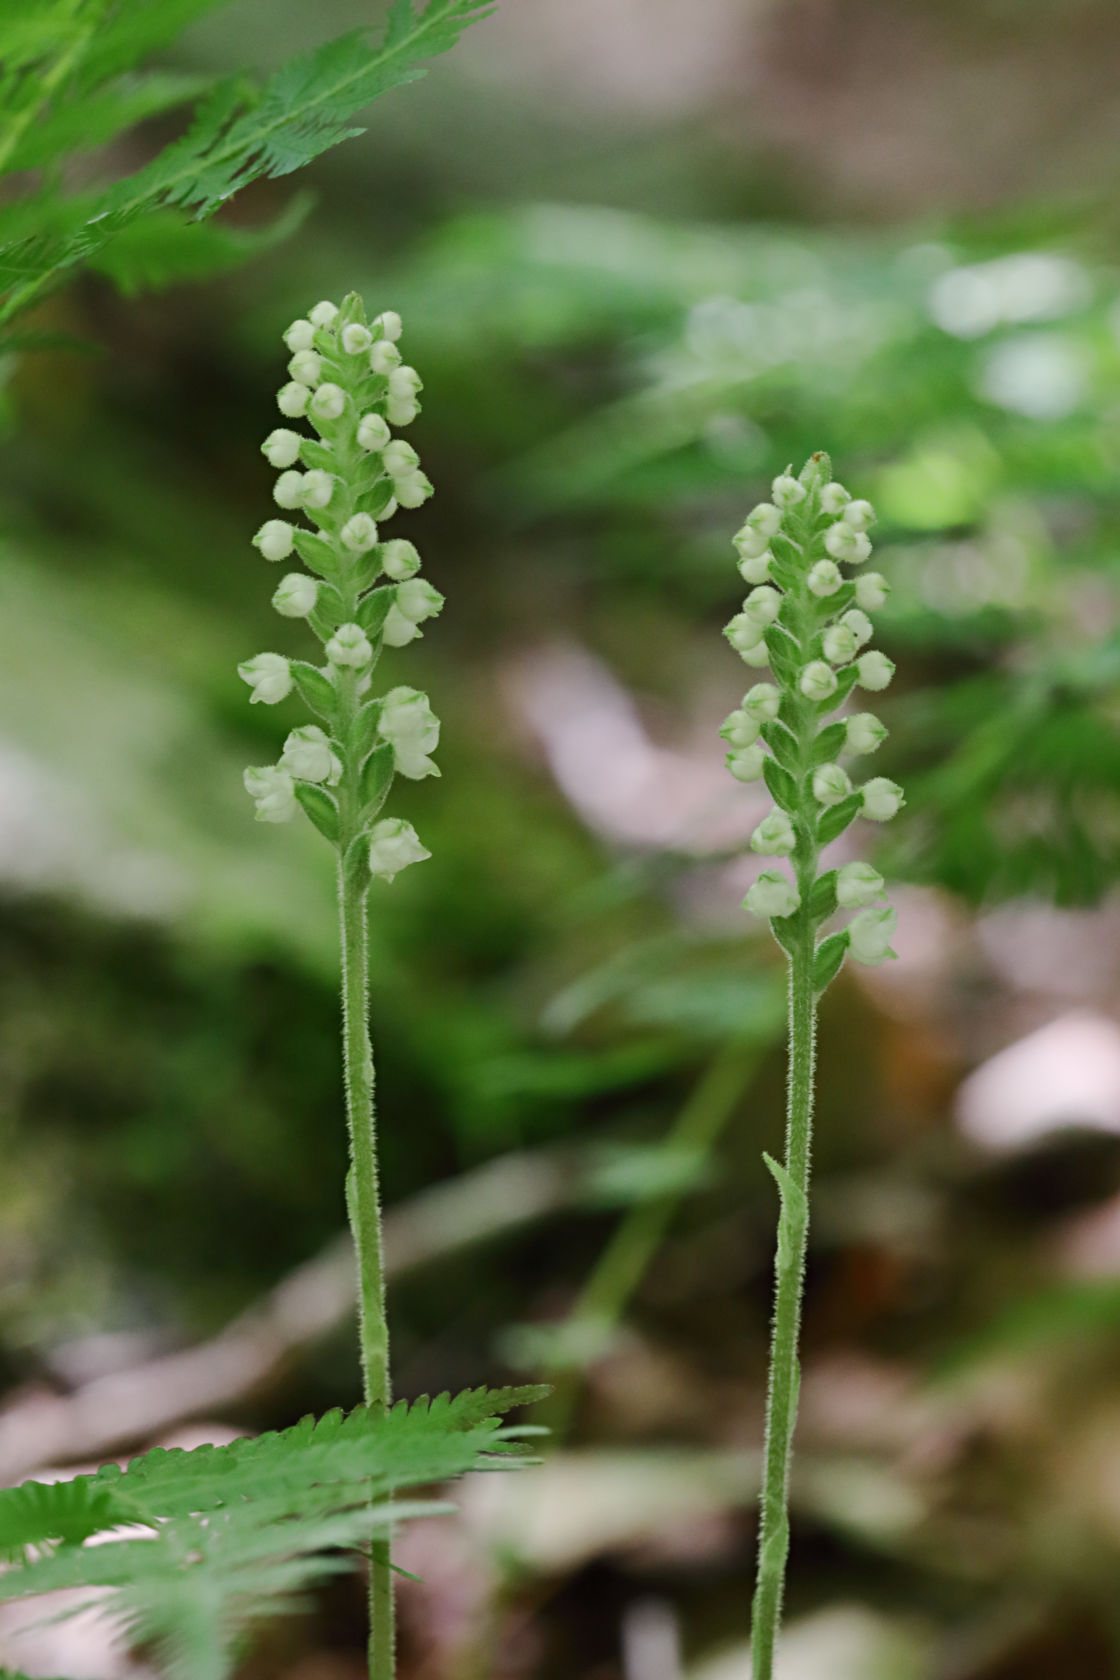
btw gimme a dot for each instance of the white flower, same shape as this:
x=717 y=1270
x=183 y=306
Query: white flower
x=306 y=367
x=391 y=325
x=763 y=605
x=309 y=756
x=818 y=680
x=275 y=539
x=882 y=799
x=359 y=534
x=834 y=499
x=787 y=491
x=762 y=702
x=401 y=411
x=269 y=676
x=328 y=401
x=758 y=656
x=349 y=646
x=397 y=630
x=384 y=356
x=413 y=491
x=872 y=590
x=287 y=492
x=824 y=578
x=746 y=763
x=843 y=543
x=373 y=433
x=858 y=884
x=762 y=523
x=296 y=595
x=859 y=515
x=865 y=733
x=743 y=633
x=407 y=720
x=416 y=600
x=755 y=568
x=870 y=934
x=281 y=447
x=859 y=624
x=292 y=400
x=356 y=338
x=399 y=559
x=399 y=459
x=831 y=784
x=324 y=314
x=405 y=384
x=875 y=671
x=300 y=335
x=273 y=792
x=838 y=644
x=740 y=729
x=318 y=488
x=394 y=844
x=774 y=836
x=772 y=895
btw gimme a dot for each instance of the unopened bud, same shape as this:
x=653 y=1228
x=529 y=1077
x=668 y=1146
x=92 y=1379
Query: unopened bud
x=399 y=459
x=818 y=680
x=296 y=595
x=318 y=487
x=281 y=447
x=292 y=399
x=859 y=624
x=872 y=590
x=824 y=578
x=834 y=499
x=373 y=433
x=275 y=539
x=743 y=633
x=830 y=784
x=287 y=492
x=328 y=401
x=774 y=836
x=300 y=336
x=740 y=729
x=399 y=559
x=857 y=884
x=870 y=934
x=306 y=367
x=393 y=845
x=324 y=314
x=349 y=646
x=859 y=515
x=787 y=492
x=843 y=542
x=269 y=677
x=384 y=356
x=772 y=895
x=746 y=763
x=391 y=325
x=763 y=605
x=414 y=490
x=272 y=792
x=397 y=630
x=838 y=644
x=762 y=702
x=359 y=534
x=882 y=799
x=417 y=600
x=356 y=338
x=755 y=568
x=865 y=734
x=309 y=757
x=875 y=671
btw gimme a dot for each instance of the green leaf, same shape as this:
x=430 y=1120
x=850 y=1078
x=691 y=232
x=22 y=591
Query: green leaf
x=316 y=552
x=376 y=779
x=312 y=453
x=363 y=733
x=782 y=786
x=785 y=931
x=795 y=1212
x=822 y=899
x=829 y=744
x=355 y=863
x=326 y=615
x=321 y=808
x=38 y=1512
x=373 y=609
x=845 y=682
x=829 y=959
x=785 y=655
x=314 y=688
x=836 y=818
x=783 y=744
x=81 y=125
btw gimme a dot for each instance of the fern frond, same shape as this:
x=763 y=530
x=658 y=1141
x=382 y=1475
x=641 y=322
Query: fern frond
x=89 y=123
x=39 y=1513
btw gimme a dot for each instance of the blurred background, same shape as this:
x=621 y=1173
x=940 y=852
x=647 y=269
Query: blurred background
x=647 y=254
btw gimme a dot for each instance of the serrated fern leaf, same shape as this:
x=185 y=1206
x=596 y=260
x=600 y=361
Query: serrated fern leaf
x=39 y=1513
x=83 y=125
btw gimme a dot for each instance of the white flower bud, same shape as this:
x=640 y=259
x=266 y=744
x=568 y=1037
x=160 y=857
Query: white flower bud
x=872 y=590
x=318 y=488
x=417 y=600
x=384 y=356
x=413 y=491
x=359 y=534
x=865 y=733
x=787 y=492
x=269 y=677
x=281 y=447
x=755 y=568
x=356 y=338
x=834 y=499
x=324 y=314
x=740 y=729
x=859 y=624
x=743 y=632
x=407 y=720
x=818 y=680
x=349 y=646
x=762 y=702
x=397 y=630
x=858 y=884
x=306 y=367
x=287 y=492
x=272 y=791
x=838 y=644
x=300 y=335
x=275 y=539
x=405 y=384
x=824 y=578
x=399 y=560
x=882 y=799
x=373 y=433
x=763 y=605
x=328 y=401
x=859 y=515
x=844 y=543
x=758 y=656
x=309 y=757
x=391 y=325
x=393 y=845
x=870 y=934
x=830 y=784
x=746 y=763
x=389 y=509
x=765 y=517
x=401 y=411
x=774 y=836
x=292 y=400
x=875 y=671
x=399 y=459
x=296 y=595
x=772 y=895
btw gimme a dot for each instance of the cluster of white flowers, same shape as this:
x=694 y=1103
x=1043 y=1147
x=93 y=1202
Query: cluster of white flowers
x=810 y=624
x=360 y=593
